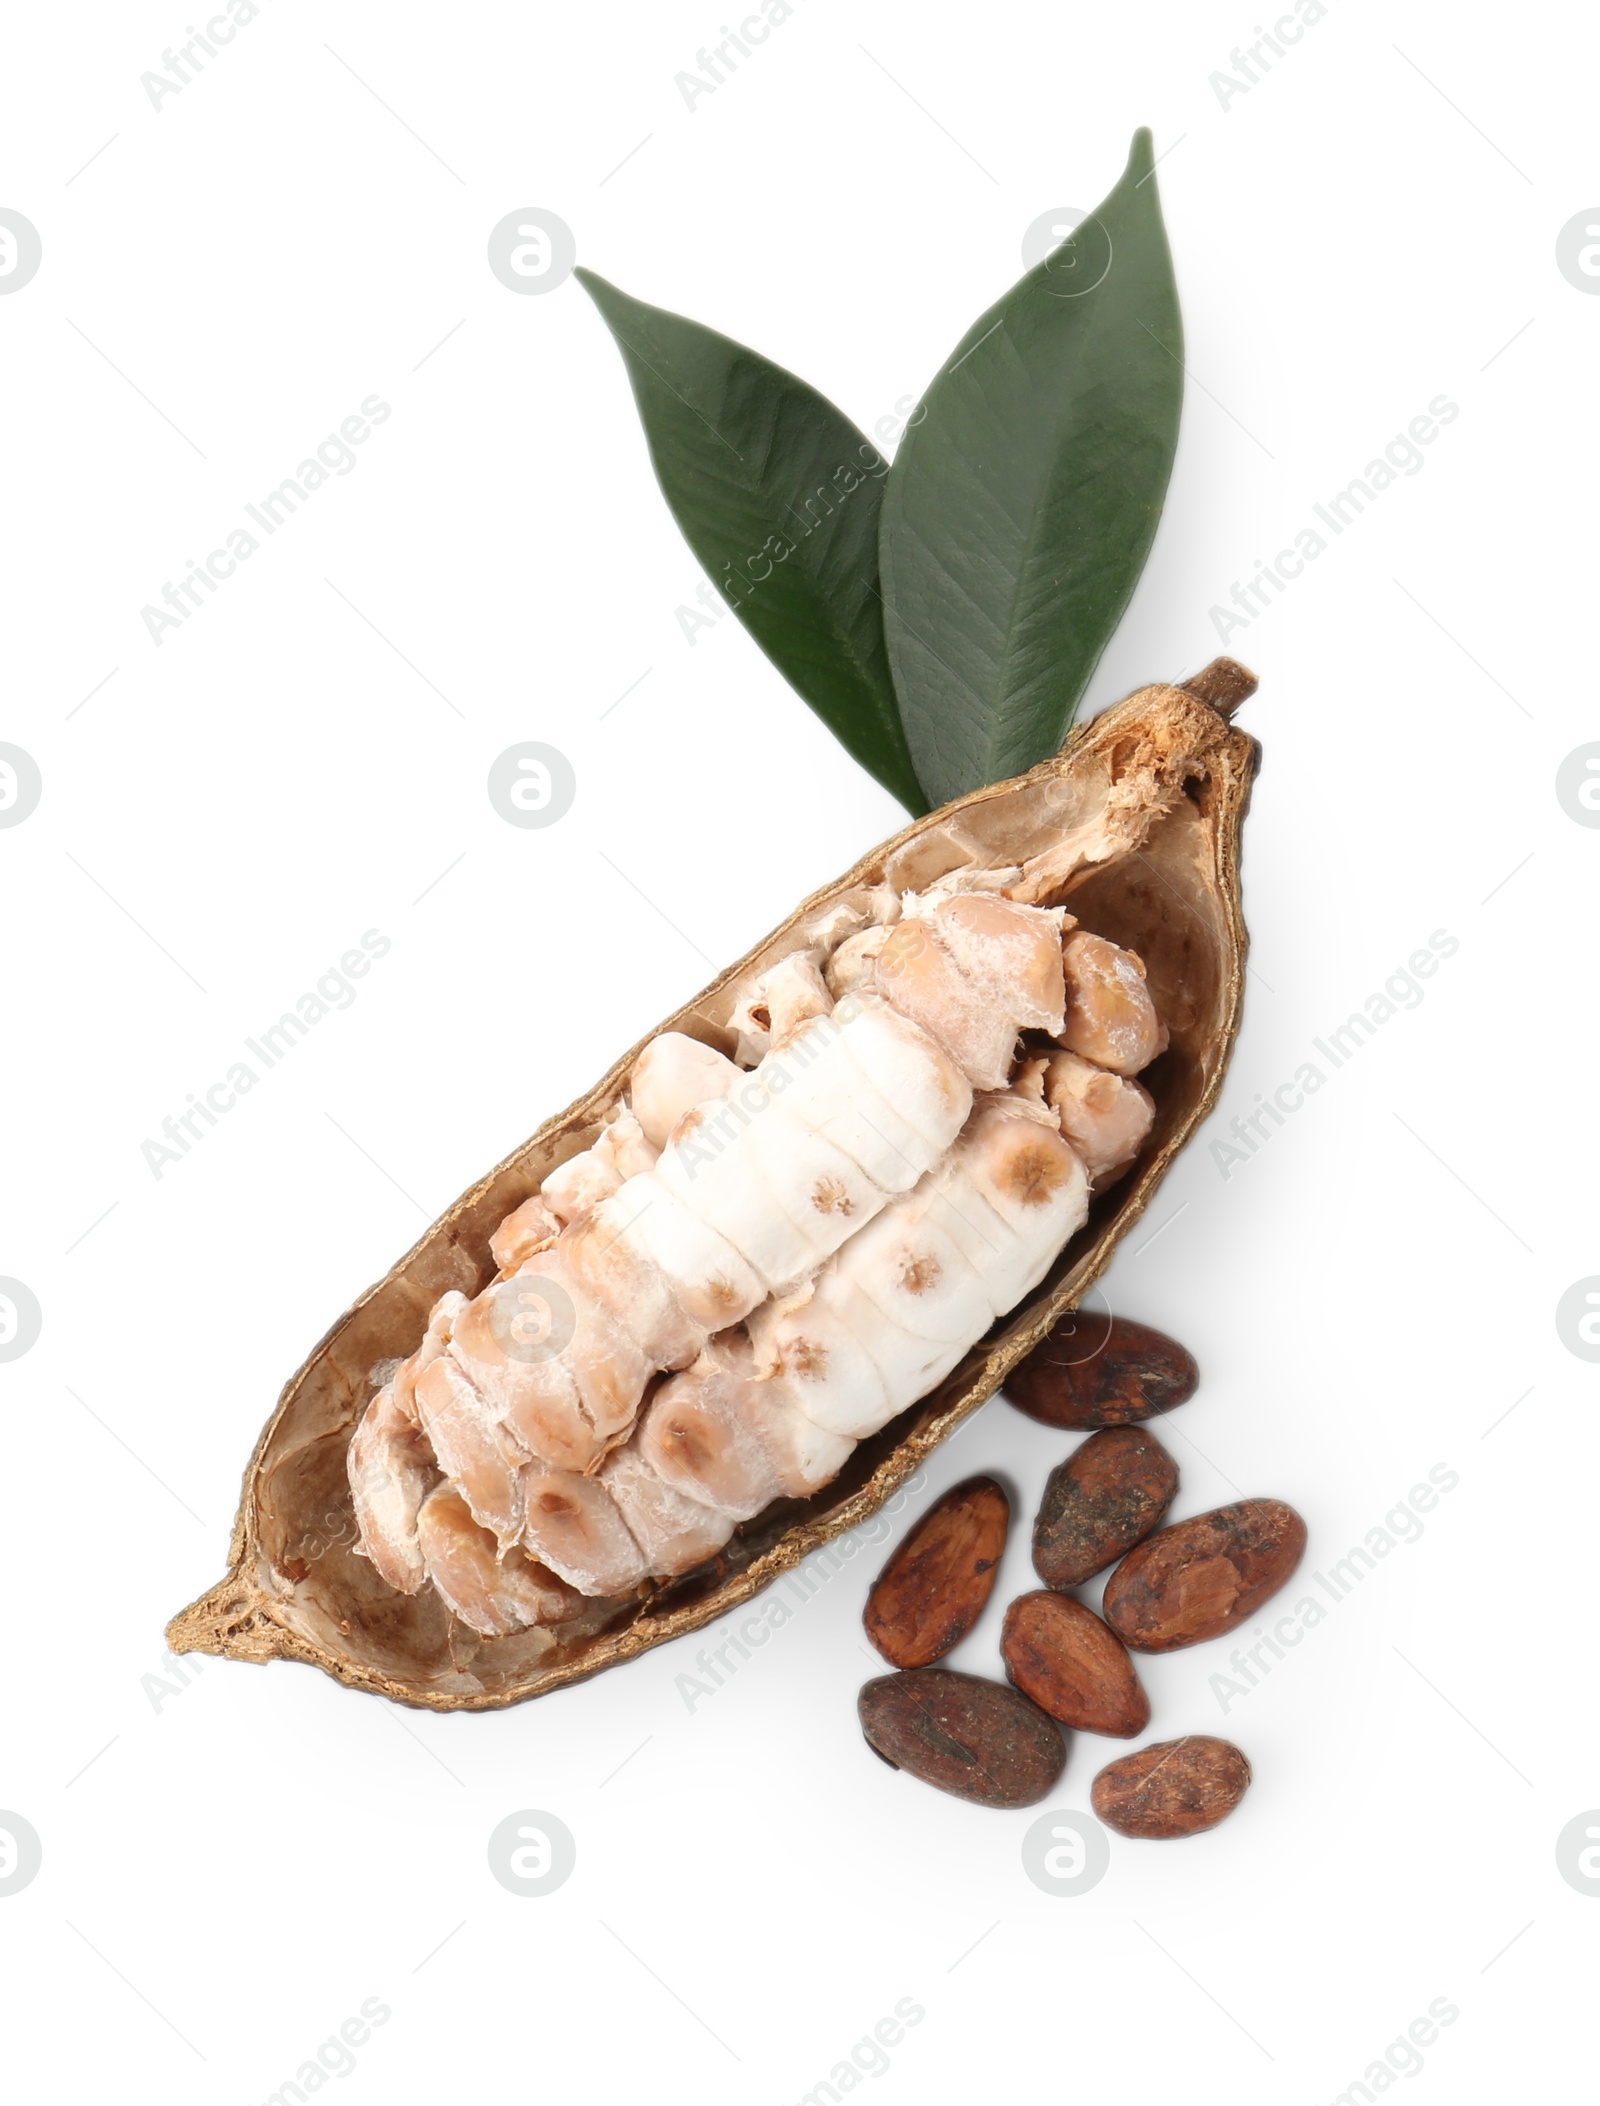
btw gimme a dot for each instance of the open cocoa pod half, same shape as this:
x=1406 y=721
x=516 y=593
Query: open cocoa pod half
x=1135 y=826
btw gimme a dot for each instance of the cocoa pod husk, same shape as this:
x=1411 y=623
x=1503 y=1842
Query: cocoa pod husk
x=295 y=1587
x=934 y=1587
x=1102 y=1371
x=963 y=1734
x=1175 y=1788
x=1059 y=1653
x=1107 y=1496
x=1203 y=1577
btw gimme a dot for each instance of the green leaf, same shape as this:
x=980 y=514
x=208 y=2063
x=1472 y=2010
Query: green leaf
x=1026 y=493
x=778 y=495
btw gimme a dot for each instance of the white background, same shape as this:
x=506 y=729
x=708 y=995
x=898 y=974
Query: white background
x=234 y=1861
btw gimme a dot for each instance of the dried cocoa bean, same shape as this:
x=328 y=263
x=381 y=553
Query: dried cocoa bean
x=1177 y=1787
x=1058 y=1652
x=1103 y=1499
x=976 y=1739
x=1202 y=1577
x=1087 y=1374
x=933 y=1589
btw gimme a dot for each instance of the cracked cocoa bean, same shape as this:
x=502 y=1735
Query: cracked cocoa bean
x=933 y=1589
x=1058 y=1652
x=1085 y=1376
x=1103 y=1499
x=1204 y=1576
x=974 y=1738
x=1177 y=1787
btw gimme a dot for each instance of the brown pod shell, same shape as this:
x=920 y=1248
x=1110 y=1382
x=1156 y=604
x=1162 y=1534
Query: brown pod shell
x=933 y=1589
x=1108 y=1495
x=1205 y=1576
x=1058 y=1652
x=1158 y=787
x=1094 y=1371
x=1176 y=1787
x=965 y=1735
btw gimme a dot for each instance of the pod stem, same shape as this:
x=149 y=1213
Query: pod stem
x=1223 y=684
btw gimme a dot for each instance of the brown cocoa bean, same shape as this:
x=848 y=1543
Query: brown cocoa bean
x=934 y=1587
x=1103 y=1499
x=1088 y=1373
x=1202 y=1577
x=976 y=1739
x=1177 y=1787
x=1058 y=1652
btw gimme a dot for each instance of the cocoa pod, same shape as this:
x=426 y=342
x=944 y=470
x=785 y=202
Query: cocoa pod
x=1164 y=882
x=962 y=1734
x=1058 y=1652
x=1107 y=1496
x=1088 y=1374
x=933 y=1589
x=1204 y=1576
x=1176 y=1787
